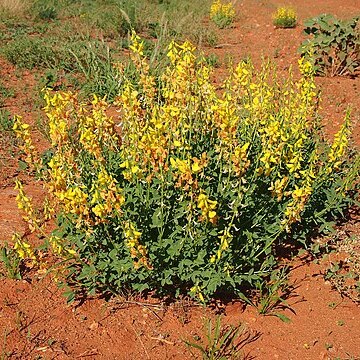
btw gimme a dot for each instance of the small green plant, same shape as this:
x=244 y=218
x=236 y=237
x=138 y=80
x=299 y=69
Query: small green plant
x=221 y=14
x=284 y=17
x=344 y=273
x=328 y=346
x=211 y=38
x=7 y=137
x=50 y=79
x=30 y=52
x=270 y=294
x=334 y=46
x=11 y=261
x=221 y=343
x=45 y=9
x=6 y=121
x=5 y=93
x=47 y=13
x=212 y=60
x=345 y=278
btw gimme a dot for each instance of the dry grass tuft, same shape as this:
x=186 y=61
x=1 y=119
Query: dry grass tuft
x=13 y=7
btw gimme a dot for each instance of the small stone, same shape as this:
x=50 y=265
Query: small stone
x=94 y=326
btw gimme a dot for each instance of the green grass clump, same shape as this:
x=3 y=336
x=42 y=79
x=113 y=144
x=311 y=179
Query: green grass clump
x=30 y=52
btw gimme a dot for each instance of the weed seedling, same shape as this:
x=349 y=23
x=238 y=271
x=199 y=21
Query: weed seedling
x=271 y=294
x=222 y=342
x=11 y=261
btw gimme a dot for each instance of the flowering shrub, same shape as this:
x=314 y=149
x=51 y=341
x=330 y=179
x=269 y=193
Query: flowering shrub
x=284 y=17
x=221 y=14
x=192 y=189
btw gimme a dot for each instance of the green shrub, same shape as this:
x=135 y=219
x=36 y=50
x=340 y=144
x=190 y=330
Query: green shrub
x=334 y=46
x=192 y=190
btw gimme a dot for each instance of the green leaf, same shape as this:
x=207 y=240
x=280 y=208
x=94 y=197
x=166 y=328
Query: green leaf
x=283 y=317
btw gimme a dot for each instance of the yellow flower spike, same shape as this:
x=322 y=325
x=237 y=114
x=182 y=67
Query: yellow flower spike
x=125 y=164
x=207 y=207
x=23 y=133
x=277 y=188
x=137 y=46
x=202 y=198
x=137 y=251
x=23 y=249
x=182 y=165
x=340 y=144
x=25 y=205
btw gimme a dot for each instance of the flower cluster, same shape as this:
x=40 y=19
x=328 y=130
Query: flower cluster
x=222 y=14
x=23 y=249
x=285 y=17
x=339 y=146
x=25 y=205
x=207 y=208
x=107 y=197
x=23 y=132
x=137 y=251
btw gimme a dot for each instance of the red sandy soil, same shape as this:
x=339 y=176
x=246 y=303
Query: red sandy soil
x=36 y=322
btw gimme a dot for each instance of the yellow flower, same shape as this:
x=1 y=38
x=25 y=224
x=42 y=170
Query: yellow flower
x=23 y=133
x=23 y=249
x=182 y=165
x=339 y=146
x=207 y=207
x=277 y=188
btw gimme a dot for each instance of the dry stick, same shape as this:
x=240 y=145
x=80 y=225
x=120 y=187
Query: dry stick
x=143 y=304
x=149 y=306
x=219 y=46
x=142 y=344
x=88 y=353
x=155 y=314
x=162 y=340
